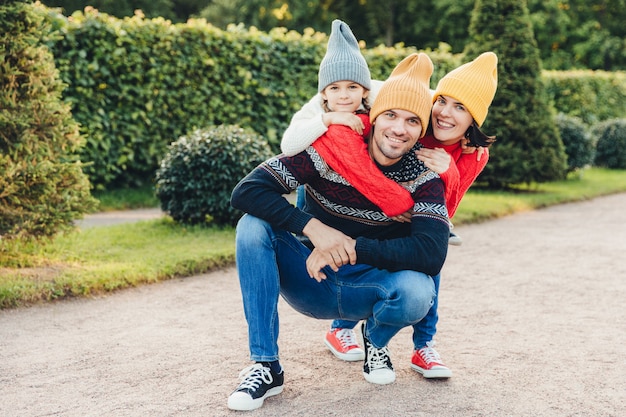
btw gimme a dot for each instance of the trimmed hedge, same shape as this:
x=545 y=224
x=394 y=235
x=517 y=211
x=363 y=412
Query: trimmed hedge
x=136 y=84
x=592 y=96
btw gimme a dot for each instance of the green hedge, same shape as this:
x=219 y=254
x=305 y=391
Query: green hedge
x=136 y=84
x=592 y=96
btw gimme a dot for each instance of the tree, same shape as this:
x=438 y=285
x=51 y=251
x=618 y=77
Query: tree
x=528 y=147
x=42 y=186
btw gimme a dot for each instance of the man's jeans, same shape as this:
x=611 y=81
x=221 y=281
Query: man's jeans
x=423 y=331
x=271 y=261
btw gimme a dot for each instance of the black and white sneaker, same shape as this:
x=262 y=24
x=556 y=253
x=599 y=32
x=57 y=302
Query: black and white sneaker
x=377 y=367
x=257 y=383
x=454 y=239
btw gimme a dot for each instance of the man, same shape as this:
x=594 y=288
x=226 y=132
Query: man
x=341 y=257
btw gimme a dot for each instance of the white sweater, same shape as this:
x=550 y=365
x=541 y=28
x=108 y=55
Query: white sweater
x=307 y=125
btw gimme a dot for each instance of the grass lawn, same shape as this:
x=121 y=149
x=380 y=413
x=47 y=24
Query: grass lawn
x=103 y=259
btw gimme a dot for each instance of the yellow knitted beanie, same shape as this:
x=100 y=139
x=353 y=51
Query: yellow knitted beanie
x=473 y=84
x=407 y=88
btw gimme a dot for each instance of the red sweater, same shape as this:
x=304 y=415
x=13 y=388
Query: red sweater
x=346 y=152
x=463 y=171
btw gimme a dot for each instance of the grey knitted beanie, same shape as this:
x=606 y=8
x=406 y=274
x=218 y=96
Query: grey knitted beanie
x=343 y=60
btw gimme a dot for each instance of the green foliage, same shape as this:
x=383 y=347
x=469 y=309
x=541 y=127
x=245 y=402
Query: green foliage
x=99 y=260
x=592 y=96
x=42 y=186
x=578 y=144
x=126 y=198
x=570 y=34
x=611 y=145
x=120 y=8
x=528 y=147
x=200 y=170
x=135 y=83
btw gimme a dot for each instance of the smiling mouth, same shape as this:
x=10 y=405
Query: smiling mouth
x=444 y=125
x=394 y=139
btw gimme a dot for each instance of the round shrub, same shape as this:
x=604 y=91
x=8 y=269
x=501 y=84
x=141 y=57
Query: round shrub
x=200 y=170
x=611 y=143
x=578 y=144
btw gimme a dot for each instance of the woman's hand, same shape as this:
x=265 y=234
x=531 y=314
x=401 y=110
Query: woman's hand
x=436 y=159
x=469 y=149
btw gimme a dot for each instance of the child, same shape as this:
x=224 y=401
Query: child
x=343 y=84
x=461 y=103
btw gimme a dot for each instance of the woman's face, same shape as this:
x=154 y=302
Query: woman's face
x=450 y=120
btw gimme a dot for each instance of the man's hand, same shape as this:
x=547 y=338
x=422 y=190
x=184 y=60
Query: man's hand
x=332 y=248
x=436 y=159
x=344 y=118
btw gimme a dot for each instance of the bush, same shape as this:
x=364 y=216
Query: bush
x=578 y=144
x=42 y=186
x=199 y=172
x=611 y=144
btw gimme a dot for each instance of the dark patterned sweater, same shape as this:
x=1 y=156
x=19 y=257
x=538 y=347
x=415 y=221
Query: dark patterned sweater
x=420 y=245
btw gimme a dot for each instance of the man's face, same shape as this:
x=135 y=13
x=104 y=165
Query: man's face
x=395 y=132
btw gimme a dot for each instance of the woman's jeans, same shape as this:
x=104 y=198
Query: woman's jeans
x=271 y=261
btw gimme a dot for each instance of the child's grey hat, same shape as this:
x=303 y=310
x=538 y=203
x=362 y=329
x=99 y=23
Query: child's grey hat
x=343 y=60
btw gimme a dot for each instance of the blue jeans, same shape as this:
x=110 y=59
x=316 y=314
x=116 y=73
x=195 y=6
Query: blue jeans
x=423 y=331
x=272 y=262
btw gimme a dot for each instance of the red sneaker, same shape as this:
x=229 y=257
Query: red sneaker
x=427 y=362
x=343 y=344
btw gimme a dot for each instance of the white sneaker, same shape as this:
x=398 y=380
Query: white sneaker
x=258 y=382
x=377 y=367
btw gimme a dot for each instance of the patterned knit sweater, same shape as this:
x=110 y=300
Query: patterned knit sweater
x=420 y=245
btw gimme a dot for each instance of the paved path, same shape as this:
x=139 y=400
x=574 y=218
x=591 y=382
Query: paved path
x=533 y=323
x=109 y=218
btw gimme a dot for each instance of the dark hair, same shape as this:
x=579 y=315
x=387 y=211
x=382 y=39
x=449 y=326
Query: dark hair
x=477 y=137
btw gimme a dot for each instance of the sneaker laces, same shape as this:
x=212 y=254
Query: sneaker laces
x=346 y=337
x=377 y=358
x=253 y=376
x=429 y=354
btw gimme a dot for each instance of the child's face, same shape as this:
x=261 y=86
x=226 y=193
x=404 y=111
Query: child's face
x=450 y=120
x=344 y=96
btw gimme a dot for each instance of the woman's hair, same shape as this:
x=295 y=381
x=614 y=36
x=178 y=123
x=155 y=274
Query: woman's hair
x=477 y=137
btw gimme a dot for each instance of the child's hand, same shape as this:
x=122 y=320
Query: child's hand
x=436 y=159
x=468 y=149
x=344 y=118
